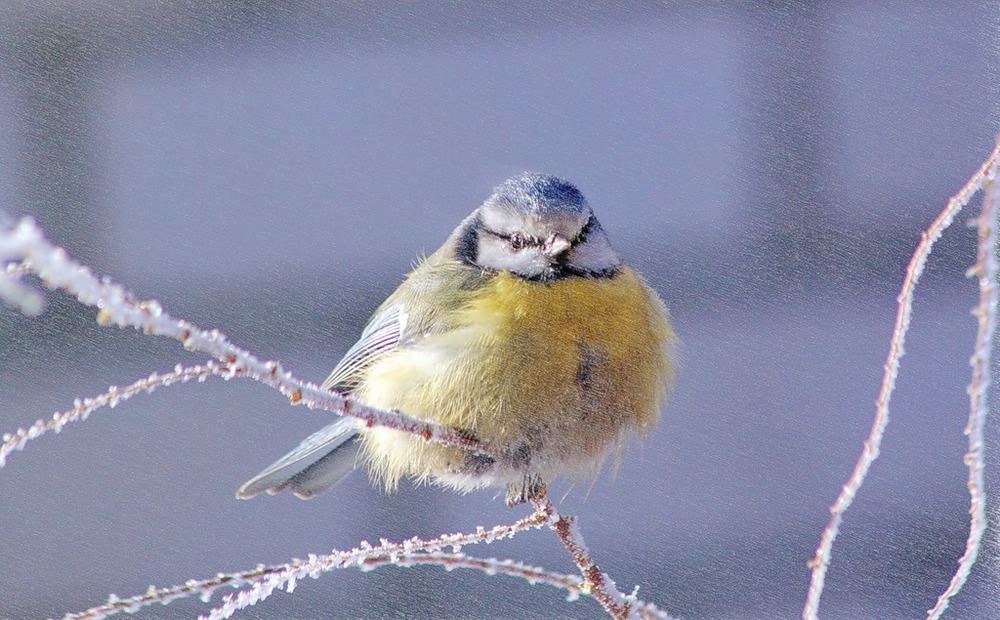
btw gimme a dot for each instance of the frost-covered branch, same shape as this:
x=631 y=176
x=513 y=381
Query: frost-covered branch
x=821 y=561
x=596 y=584
x=82 y=408
x=445 y=551
x=263 y=580
x=24 y=244
x=385 y=552
x=985 y=271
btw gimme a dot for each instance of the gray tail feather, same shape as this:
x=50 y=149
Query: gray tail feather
x=322 y=460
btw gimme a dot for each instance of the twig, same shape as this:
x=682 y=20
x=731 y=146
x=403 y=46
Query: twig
x=414 y=552
x=365 y=556
x=596 y=584
x=491 y=566
x=821 y=561
x=289 y=574
x=985 y=270
x=83 y=408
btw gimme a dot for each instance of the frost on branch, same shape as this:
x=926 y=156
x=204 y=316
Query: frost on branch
x=261 y=582
x=986 y=270
x=82 y=408
x=16 y=293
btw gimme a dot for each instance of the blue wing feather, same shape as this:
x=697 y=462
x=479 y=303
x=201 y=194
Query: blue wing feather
x=382 y=334
x=328 y=455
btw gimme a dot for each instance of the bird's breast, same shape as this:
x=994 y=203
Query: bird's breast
x=560 y=366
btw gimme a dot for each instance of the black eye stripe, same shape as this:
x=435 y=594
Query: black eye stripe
x=526 y=240
x=467 y=244
x=580 y=237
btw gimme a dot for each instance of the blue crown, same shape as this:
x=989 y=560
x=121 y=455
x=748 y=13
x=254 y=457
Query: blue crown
x=541 y=193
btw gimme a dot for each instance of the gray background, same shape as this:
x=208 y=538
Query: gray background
x=272 y=169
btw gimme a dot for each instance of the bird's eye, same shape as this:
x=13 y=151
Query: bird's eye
x=516 y=241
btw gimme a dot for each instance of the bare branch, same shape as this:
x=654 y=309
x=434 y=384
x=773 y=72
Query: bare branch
x=83 y=408
x=596 y=583
x=985 y=271
x=386 y=552
x=821 y=561
x=366 y=557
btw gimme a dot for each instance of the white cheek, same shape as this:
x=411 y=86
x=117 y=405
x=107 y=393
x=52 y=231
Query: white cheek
x=498 y=255
x=594 y=255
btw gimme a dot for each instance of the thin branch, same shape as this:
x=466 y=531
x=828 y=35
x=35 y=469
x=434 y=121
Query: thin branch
x=985 y=270
x=414 y=552
x=821 y=561
x=83 y=408
x=386 y=552
x=572 y=584
x=596 y=584
x=25 y=242
x=365 y=557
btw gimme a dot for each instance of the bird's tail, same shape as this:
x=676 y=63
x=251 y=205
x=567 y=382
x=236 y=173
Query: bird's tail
x=322 y=460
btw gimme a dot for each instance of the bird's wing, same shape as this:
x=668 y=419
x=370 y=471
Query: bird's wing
x=328 y=455
x=318 y=463
x=382 y=335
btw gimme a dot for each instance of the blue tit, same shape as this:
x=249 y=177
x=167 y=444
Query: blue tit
x=524 y=330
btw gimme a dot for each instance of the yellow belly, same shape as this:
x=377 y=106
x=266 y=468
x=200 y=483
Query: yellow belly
x=555 y=373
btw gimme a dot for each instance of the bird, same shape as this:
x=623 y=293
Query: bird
x=525 y=331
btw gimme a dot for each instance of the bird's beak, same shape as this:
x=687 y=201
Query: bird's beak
x=555 y=245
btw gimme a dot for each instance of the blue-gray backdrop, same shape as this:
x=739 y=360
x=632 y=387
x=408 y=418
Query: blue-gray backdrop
x=272 y=169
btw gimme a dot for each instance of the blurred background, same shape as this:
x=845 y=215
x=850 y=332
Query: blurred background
x=272 y=169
